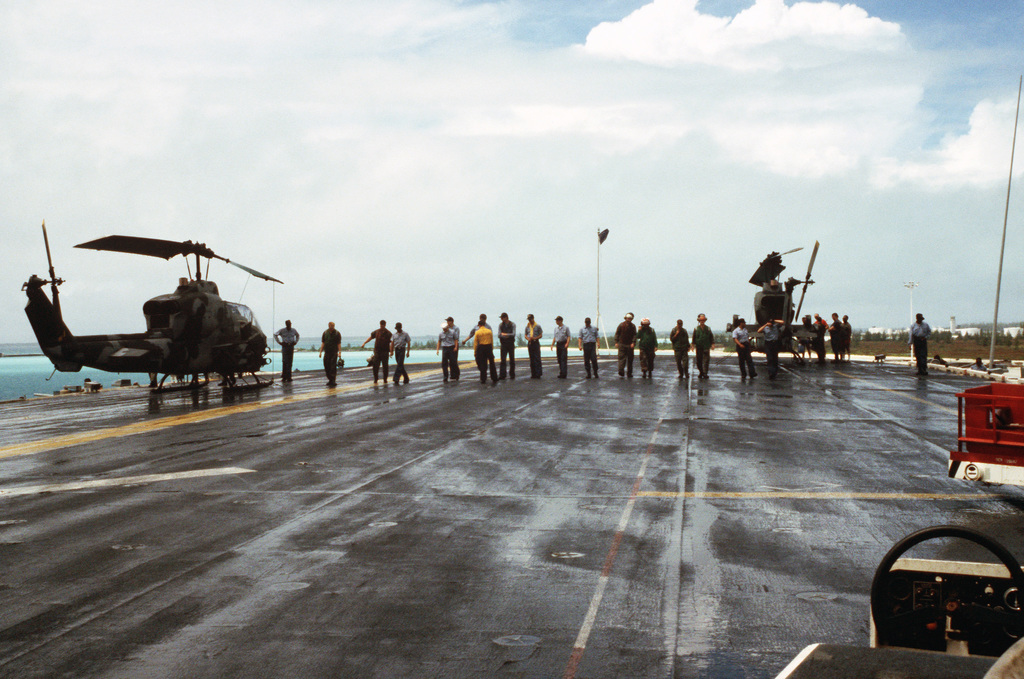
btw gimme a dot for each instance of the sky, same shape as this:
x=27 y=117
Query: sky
x=408 y=160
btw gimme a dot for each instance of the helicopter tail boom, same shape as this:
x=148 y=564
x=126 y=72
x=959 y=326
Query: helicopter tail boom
x=48 y=325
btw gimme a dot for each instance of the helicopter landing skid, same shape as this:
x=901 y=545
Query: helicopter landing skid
x=240 y=382
x=192 y=385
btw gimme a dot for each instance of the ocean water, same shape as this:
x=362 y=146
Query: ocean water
x=25 y=372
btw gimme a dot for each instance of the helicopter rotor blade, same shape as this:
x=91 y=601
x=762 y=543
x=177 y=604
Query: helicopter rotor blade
x=254 y=272
x=165 y=249
x=152 y=247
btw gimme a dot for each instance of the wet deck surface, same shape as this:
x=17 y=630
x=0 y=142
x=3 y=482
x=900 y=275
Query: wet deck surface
x=595 y=528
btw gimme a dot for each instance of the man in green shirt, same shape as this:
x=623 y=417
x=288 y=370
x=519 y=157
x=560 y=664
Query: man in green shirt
x=647 y=342
x=681 y=347
x=330 y=346
x=703 y=343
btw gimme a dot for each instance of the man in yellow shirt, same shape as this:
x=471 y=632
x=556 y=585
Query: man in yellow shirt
x=483 y=350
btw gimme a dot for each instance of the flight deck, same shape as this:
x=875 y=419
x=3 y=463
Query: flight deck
x=608 y=527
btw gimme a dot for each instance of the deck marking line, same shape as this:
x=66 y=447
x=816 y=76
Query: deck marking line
x=821 y=495
x=602 y=582
x=32 y=447
x=900 y=393
x=15 y=491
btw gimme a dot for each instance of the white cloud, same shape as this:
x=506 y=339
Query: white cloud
x=769 y=35
x=980 y=157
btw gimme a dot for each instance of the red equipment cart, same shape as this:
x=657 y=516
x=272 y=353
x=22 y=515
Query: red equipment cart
x=990 y=435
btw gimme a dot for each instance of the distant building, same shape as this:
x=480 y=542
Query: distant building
x=1013 y=332
x=967 y=332
x=885 y=332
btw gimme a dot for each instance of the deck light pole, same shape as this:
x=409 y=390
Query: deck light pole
x=601 y=237
x=910 y=285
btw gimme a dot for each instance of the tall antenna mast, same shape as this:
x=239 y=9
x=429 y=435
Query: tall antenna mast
x=1002 y=247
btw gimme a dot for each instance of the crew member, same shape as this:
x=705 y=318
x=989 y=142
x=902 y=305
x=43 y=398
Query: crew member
x=647 y=342
x=588 y=343
x=836 y=337
x=741 y=337
x=483 y=350
x=401 y=346
x=847 y=338
x=625 y=341
x=703 y=343
x=560 y=343
x=681 y=348
x=287 y=337
x=448 y=342
x=818 y=344
x=507 y=340
x=330 y=347
x=919 y=333
x=533 y=334
x=772 y=330
x=381 y=350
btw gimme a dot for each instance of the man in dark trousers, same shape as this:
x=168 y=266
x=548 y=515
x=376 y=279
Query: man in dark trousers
x=647 y=343
x=847 y=338
x=401 y=345
x=483 y=350
x=772 y=330
x=330 y=347
x=836 y=336
x=741 y=337
x=448 y=343
x=507 y=338
x=588 y=343
x=703 y=343
x=381 y=350
x=919 y=333
x=287 y=337
x=820 y=328
x=533 y=333
x=625 y=341
x=681 y=347
x=560 y=343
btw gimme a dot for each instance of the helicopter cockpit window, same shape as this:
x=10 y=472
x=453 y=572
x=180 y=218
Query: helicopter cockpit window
x=775 y=306
x=243 y=314
x=158 y=312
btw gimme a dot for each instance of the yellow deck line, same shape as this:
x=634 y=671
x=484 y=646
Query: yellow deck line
x=32 y=447
x=819 y=495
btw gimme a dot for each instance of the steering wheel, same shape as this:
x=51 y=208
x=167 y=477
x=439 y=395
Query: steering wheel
x=964 y=613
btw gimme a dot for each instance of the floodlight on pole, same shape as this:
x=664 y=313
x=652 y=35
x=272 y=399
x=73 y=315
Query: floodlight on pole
x=602 y=236
x=910 y=285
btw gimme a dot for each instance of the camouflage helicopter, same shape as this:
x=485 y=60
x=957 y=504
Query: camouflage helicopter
x=775 y=301
x=190 y=331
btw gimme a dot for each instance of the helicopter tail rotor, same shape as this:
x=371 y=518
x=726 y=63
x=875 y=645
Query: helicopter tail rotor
x=807 y=281
x=54 y=281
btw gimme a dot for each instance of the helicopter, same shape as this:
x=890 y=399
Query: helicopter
x=775 y=301
x=190 y=331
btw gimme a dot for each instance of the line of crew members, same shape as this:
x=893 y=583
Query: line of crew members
x=629 y=339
